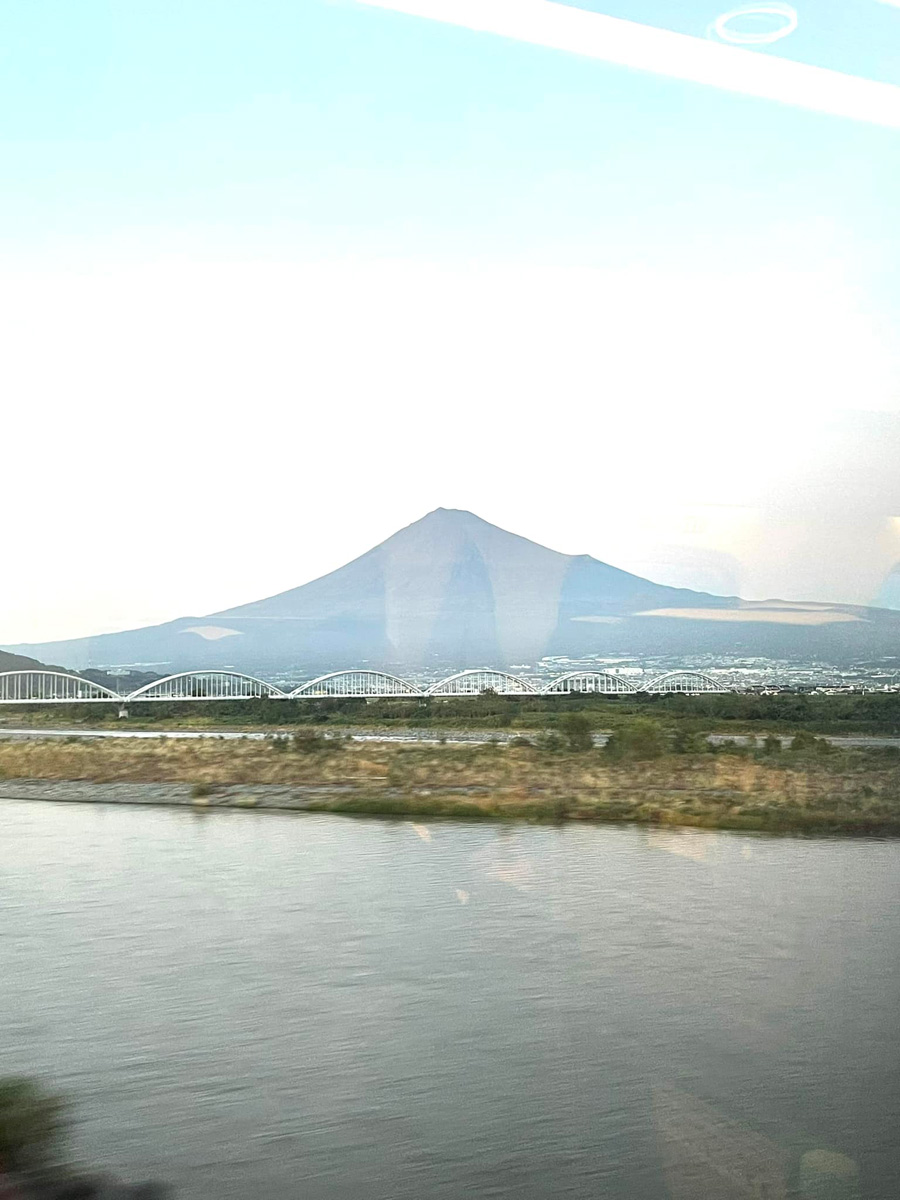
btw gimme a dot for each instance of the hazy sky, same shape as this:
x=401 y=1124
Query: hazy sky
x=277 y=278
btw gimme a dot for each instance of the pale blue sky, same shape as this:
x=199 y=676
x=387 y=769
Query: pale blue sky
x=288 y=125
x=294 y=234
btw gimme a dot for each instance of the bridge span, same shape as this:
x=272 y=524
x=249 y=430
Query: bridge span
x=61 y=687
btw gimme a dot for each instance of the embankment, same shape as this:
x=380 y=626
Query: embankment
x=850 y=792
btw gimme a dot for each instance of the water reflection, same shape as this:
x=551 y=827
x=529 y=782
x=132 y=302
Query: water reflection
x=276 y=1006
x=705 y=1153
x=689 y=843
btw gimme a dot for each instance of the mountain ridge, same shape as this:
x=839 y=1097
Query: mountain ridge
x=21 y=662
x=452 y=588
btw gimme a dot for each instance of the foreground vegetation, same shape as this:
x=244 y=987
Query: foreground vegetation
x=33 y=1160
x=785 y=712
x=644 y=774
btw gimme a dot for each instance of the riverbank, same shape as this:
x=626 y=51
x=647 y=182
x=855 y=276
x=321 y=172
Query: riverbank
x=785 y=713
x=848 y=792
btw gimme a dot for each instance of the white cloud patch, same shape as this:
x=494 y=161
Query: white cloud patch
x=211 y=633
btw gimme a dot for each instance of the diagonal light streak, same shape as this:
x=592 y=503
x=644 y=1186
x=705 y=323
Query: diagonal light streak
x=646 y=48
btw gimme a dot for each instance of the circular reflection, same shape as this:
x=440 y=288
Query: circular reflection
x=768 y=22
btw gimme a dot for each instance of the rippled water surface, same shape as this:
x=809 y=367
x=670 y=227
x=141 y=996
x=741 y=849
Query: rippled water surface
x=287 y=1006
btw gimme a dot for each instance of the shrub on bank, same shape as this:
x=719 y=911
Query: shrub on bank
x=307 y=741
x=550 y=742
x=731 y=746
x=807 y=743
x=688 y=741
x=578 y=732
x=638 y=739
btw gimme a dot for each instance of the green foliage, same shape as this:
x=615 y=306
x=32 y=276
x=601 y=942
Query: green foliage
x=307 y=741
x=731 y=746
x=876 y=712
x=688 y=741
x=32 y=1125
x=872 y=711
x=639 y=739
x=200 y=791
x=550 y=742
x=518 y=743
x=772 y=744
x=807 y=743
x=561 y=809
x=577 y=730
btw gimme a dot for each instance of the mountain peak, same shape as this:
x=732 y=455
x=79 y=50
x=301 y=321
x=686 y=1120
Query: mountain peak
x=452 y=524
x=451 y=516
x=452 y=588
x=449 y=579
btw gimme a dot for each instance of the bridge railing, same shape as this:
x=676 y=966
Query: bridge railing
x=60 y=687
x=50 y=687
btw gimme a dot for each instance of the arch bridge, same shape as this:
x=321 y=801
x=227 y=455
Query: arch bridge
x=356 y=684
x=688 y=683
x=50 y=687
x=604 y=682
x=63 y=687
x=207 y=685
x=483 y=679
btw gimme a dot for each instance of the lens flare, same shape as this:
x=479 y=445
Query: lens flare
x=775 y=21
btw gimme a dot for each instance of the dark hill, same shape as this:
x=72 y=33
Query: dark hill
x=19 y=662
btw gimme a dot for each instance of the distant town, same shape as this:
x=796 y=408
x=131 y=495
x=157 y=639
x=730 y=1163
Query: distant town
x=737 y=673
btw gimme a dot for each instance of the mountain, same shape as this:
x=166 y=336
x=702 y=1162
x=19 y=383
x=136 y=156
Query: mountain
x=454 y=590
x=18 y=662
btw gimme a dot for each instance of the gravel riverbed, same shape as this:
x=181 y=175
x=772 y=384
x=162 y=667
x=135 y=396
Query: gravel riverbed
x=83 y=791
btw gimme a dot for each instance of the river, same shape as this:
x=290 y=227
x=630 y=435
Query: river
x=311 y=1007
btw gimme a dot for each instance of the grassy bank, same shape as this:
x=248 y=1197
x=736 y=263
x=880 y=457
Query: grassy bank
x=808 y=790
x=789 y=712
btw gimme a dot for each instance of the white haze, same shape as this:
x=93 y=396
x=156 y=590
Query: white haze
x=191 y=435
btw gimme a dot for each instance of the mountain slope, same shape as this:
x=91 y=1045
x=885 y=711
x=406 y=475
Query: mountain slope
x=19 y=662
x=453 y=589
x=452 y=583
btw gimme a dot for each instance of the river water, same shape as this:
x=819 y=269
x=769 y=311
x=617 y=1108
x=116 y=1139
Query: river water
x=293 y=1006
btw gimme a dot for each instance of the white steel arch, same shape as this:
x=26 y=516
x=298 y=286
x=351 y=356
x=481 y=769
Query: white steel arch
x=481 y=679
x=603 y=682
x=44 y=687
x=691 y=683
x=356 y=683
x=206 y=685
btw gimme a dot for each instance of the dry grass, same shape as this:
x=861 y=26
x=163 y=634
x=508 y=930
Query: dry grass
x=854 y=792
